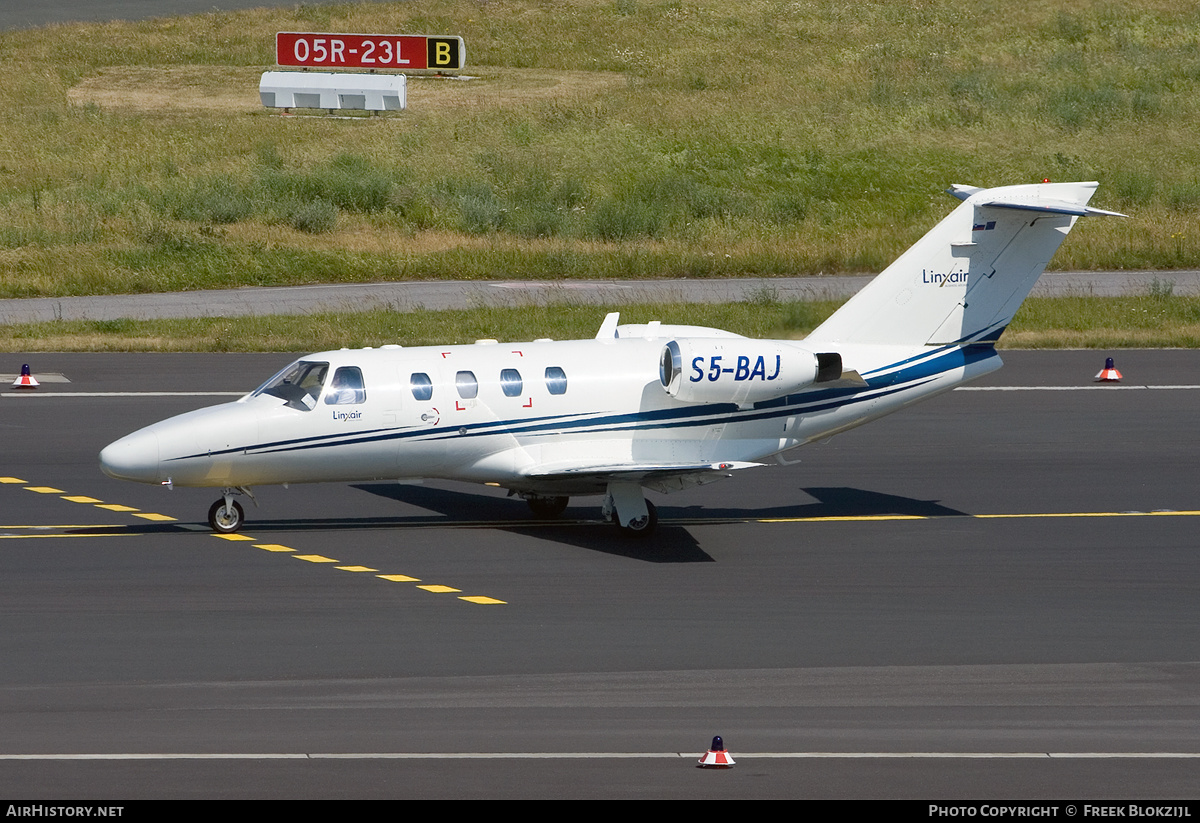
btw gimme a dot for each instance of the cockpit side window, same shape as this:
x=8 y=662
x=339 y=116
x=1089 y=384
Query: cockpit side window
x=299 y=385
x=421 y=385
x=346 y=388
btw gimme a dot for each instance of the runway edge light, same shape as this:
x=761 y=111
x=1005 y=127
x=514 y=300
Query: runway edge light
x=26 y=380
x=1109 y=373
x=716 y=757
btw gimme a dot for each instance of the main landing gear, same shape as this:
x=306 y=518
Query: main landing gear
x=624 y=505
x=641 y=527
x=226 y=515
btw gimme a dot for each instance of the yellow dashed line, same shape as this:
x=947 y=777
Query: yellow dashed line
x=271 y=547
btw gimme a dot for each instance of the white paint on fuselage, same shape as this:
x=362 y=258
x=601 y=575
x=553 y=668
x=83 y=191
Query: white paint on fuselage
x=614 y=412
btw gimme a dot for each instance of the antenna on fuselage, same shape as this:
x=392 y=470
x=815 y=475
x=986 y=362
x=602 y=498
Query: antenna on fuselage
x=608 y=329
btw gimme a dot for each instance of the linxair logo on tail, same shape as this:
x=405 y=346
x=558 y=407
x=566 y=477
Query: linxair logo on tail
x=937 y=278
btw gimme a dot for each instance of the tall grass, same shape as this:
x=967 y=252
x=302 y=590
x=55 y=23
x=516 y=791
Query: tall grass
x=626 y=138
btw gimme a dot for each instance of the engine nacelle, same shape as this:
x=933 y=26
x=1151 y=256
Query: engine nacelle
x=741 y=370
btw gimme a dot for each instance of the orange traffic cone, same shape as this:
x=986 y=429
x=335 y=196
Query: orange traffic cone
x=26 y=380
x=1109 y=373
x=716 y=757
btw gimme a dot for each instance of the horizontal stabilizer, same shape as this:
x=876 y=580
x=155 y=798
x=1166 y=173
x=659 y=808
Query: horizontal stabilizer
x=1051 y=207
x=1041 y=204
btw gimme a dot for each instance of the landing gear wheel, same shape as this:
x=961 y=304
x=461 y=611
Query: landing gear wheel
x=641 y=528
x=547 y=508
x=226 y=519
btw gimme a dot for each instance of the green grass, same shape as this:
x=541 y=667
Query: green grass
x=1155 y=320
x=705 y=138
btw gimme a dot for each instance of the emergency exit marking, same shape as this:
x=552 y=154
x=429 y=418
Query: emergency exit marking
x=370 y=51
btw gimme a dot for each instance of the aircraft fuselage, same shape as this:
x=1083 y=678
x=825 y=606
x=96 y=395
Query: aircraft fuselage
x=538 y=417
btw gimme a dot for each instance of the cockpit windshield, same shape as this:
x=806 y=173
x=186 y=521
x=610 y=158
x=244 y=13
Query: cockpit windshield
x=299 y=385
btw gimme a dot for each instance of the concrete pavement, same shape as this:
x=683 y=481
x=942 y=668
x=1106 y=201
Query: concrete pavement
x=435 y=295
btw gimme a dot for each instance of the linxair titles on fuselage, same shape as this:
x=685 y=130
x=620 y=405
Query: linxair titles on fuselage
x=656 y=406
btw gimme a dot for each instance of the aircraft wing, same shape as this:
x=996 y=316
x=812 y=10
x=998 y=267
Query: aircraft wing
x=585 y=478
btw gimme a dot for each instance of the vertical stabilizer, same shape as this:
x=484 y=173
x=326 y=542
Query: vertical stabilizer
x=964 y=280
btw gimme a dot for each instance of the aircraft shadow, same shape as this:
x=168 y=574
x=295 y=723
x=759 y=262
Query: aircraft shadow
x=832 y=501
x=672 y=543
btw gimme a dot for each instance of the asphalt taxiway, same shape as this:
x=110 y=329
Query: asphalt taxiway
x=993 y=594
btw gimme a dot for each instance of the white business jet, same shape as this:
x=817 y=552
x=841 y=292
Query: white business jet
x=654 y=406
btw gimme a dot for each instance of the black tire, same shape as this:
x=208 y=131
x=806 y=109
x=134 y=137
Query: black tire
x=547 y=508
x=226 y=521
x=643 y=529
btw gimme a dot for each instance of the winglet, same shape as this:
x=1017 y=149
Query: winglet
x=608 y=329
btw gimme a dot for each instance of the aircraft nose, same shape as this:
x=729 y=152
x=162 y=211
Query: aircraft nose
x=134 y=457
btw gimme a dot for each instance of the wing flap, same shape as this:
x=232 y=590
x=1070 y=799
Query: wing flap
x=632 y=471
x=663 y=477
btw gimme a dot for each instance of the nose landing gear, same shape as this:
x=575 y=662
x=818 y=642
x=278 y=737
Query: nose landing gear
x=226 y=516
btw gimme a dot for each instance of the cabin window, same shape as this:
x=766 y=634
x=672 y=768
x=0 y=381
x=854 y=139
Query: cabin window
x=511 y=383
x=346 y=388
x=421 y=385
x=556 y=380
x=299 y=385
x=467 y=385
